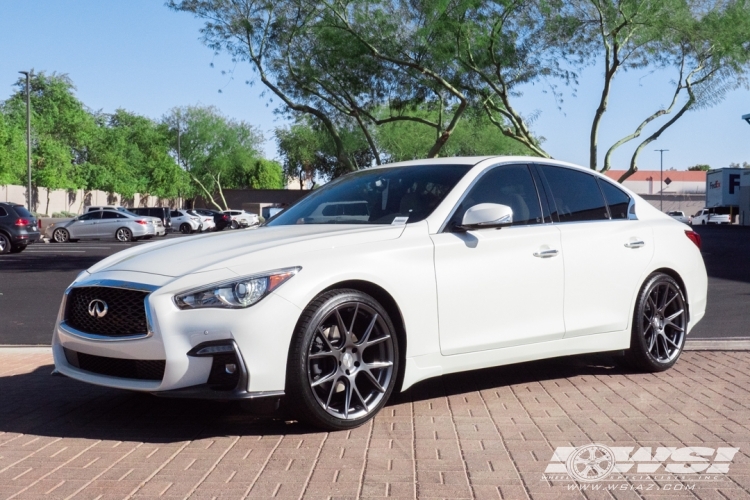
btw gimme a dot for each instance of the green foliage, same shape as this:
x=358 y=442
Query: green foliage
x=701 y=168
x=12 y=152
x=737 y=165
x=216 y=152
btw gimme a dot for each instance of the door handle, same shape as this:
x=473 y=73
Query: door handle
x=545 y=254
x=635 y=244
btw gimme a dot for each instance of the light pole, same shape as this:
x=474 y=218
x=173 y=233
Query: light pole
x=661 y=175
x=28 y=132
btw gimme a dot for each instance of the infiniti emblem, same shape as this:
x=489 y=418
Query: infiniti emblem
x=97 y=308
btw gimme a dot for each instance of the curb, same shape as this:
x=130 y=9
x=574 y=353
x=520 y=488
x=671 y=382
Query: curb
x=730 y=344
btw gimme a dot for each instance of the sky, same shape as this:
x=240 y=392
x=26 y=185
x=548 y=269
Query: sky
x=141 y=56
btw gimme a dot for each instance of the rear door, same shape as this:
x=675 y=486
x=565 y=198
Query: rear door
x=109 y=224
x=605 y=250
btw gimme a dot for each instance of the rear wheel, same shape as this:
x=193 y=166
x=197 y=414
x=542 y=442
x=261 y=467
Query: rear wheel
x=124 y=235
x=60 y=235
x=4 y=244
x=659 y=325
x=185 y=228
x=235 y=224
x=343 y=360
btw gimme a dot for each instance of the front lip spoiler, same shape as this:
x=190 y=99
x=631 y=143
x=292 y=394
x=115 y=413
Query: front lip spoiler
x=207 y=391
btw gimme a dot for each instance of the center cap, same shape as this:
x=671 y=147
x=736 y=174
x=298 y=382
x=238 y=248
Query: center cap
x=347 y=361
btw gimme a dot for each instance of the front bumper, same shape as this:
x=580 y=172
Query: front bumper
x=258 y=336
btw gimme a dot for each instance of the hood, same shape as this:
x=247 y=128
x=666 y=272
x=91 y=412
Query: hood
x=187 y=255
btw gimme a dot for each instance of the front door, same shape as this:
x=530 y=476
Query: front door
x=500 y=287
x=85 y=226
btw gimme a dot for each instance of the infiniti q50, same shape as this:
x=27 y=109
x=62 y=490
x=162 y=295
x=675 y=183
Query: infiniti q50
x=442 y=266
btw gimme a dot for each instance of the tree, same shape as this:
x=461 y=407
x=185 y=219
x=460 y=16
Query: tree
x=214 y=151
x=12 y=152
x=700 y=168
x=737 y=165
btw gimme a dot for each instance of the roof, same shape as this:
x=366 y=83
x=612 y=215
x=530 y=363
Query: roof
x=674 y=175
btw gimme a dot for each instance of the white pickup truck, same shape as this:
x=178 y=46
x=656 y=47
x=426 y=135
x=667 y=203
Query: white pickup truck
x=715 y=215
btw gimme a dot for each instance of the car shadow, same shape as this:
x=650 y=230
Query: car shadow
x=725 y=250
x=39 y=404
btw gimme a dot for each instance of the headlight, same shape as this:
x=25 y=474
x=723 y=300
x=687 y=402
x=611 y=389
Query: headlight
x=235 y=294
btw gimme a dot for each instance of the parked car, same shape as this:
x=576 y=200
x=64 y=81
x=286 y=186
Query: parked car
x=505 y=254
x=207 y=221
x=240 y=218
x=185 y=222
x=161 y=213
x=712 y=216
x=101 y=224
x=680 y=216
x=159 y=228
x=18 y=228
x=221 y=220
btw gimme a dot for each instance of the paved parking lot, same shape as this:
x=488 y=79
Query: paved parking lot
x=32 y=284
x=487 y=434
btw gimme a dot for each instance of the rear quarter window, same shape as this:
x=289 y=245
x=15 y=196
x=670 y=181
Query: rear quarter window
x=22 y=212
x=3 y=213
x=618 y=200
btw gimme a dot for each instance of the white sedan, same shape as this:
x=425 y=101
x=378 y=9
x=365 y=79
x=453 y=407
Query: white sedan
x=462 y=263
x=240 y=218
x=185 y=221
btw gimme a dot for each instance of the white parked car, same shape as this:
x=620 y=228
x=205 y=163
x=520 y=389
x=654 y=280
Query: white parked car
x=712 y=216
x=207 y=221
x=463 y=263
x=101 y=224
x=680 y=216
x=186 y=222
x=240 y=218
x=156 y=222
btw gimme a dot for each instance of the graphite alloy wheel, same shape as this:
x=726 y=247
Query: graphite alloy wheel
x=124 y=235
x=4 y=244
x=659 y=325
x=185 y=228
x=60 y=235
x=343 y=360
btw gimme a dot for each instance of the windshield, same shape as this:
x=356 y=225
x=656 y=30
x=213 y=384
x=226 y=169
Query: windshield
x=376 y=196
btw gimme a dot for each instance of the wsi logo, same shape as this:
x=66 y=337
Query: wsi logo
x=596 y=462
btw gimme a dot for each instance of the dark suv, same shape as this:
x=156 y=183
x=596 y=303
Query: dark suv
x=162 y=213
x=17 y=228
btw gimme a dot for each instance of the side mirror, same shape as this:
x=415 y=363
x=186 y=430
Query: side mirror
x=486 y=215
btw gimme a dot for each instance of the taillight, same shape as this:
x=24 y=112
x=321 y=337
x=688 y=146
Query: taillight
x=142 y=222
x=39 y=223
x=694 y=237
x=225 y=217
x=22 y=222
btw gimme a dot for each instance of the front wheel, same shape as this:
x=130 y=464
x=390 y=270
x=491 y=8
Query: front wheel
x=343 y=360
x=659 y=325
x=60 y=235
x=124 y=235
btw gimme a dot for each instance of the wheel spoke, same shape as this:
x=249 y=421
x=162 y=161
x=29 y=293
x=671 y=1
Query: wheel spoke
x=330 y=393
x=347 y=397
x=374 y=381
x=652 y=302
x=326 y=340
x=378 y=340
x=673 y=316
x=665 y=346
x=321 y=354
x=367 y=333
x=664 y=297
x=379 y=364
x=364 y=403
x=675 y=326
x=676 y=294
x=342 y=327
x=325 y=379
x=671 y=342
x=354 y=318
x=652 y=342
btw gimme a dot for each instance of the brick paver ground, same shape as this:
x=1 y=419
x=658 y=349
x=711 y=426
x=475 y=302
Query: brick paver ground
x=485 y=434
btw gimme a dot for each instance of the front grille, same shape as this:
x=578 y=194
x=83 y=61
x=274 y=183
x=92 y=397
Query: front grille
x=125 y=315
x=138 y=369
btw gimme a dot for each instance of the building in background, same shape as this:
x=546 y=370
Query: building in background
x=683 y=190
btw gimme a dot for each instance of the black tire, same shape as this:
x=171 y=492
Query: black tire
x=60 y=235
x=5 y=244
x=235 y=224
x=124 y=235
x=320 y=360
x=17 y=248
x=703 y=222
x=659 y=325
x=185 y=228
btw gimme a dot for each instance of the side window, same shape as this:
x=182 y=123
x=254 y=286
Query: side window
x=3 y=213
x=510 y=185
x=617 y=200
x=175 y=213
x=575 y=195
x=95 y=215
x=112 y=215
